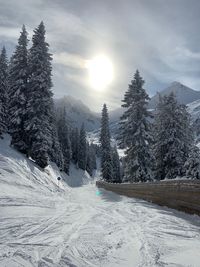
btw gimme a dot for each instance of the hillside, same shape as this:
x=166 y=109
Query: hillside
x=78 y=113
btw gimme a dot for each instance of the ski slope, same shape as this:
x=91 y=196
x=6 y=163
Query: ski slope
x=74 y=224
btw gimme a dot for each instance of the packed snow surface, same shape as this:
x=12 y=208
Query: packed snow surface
x=46 y=224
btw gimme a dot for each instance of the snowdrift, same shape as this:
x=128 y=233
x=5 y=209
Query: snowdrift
x=21 y=178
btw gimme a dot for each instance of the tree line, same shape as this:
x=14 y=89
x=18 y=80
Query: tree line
x=27 y=110
x=158 y=145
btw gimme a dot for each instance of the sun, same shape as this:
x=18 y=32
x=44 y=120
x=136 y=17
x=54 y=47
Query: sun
x=100 y=72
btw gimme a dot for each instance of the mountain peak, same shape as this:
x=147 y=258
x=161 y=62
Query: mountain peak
x=176 y=83
x=184 y=94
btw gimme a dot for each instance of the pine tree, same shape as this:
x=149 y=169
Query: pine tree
x=192 y=165
x=39 y=101
x=123 y=177
x=173 y=138
x=67 y=152
x=64 y=134
x=3 y=91
x=18 y=86
x=89 y=167
x=55 y=152
x=82 y=155
x=135 y=132
x=93 y=156
x=75 y=145
x=116 y=166
x=91 y=159
x=106 y=159
x=187 y=134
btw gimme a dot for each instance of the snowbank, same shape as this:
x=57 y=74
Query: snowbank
x=17 y=174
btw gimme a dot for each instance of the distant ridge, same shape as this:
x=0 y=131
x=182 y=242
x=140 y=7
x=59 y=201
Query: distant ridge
x=78 y=113
x=184 y=94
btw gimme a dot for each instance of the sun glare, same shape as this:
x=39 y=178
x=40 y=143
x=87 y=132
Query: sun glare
x=100 y=72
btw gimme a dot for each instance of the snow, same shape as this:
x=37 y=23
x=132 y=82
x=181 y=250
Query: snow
x=46 y=225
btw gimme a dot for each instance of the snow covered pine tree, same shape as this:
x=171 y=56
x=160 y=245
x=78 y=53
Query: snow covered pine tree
x=192 y=165
x=63 y=135
x=173 y=138
x=82 y=154
x=75 y=144
x=18 y=90
x=89 y=168
x=39 y=101
x=116 y=166
x=135 y=132
x=92 y=150
x=55 y=152
x=3 y=91
x=106 y=159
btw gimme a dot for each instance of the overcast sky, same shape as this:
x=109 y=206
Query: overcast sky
x=159 y=37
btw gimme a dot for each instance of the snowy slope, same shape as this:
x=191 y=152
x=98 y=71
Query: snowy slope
x=21 y=174
x=43 y=225
x=77 y=113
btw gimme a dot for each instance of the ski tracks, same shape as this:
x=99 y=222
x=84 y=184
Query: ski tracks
x=81 y=229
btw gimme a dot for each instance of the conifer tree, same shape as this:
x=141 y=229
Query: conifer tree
x=75 y=144
x=106 y=159
x=173 y=138
x=39 y=101
x=192 y=164
x=135 y=132
x=91 y=159
x=92 y=150
x=64 y=134
x=18 y=90
x=3 y=91
x=55 y=152
x=116 y=166
x=89 y=167
x=82 y=155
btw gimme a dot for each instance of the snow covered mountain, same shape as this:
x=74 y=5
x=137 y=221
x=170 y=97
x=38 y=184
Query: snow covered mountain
x=184 y=94
x=78 y=113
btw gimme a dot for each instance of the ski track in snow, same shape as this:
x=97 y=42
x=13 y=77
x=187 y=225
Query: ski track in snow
x=43 y=225
x=83 y=229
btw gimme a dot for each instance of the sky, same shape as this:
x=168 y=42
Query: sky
x=161 y=38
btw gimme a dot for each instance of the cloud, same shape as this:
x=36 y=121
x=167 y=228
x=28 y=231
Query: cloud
x=159 y=38
x=9 y=32
x=186 y=53
x=70 y=60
